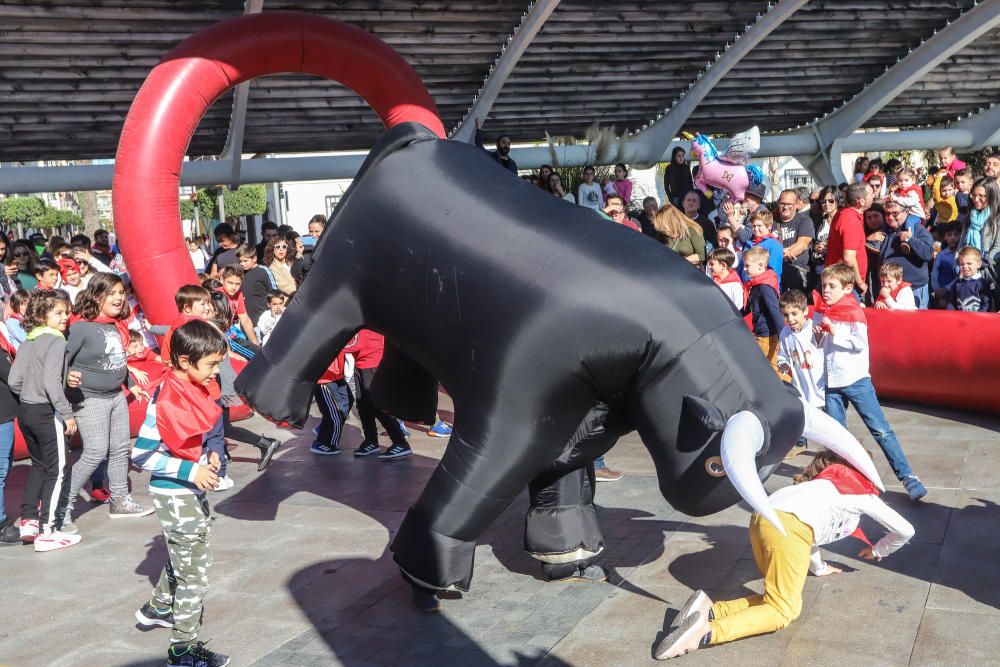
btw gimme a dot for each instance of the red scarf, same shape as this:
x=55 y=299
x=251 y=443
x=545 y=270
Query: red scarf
x=849 y=482
x=846 y=310
x=769 y=277
x=731 y=277
x=184 y=414
x=894 y=293
x=120 y=325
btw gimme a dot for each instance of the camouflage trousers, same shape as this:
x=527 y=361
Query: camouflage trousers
x=184 y=580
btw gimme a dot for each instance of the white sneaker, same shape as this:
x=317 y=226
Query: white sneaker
x=224 y=483
x=55 y=540
x=28 y=529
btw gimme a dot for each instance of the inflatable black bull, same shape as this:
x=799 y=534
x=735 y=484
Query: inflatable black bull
x=555 y=332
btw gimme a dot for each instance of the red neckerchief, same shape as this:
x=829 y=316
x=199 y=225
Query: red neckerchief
x=16 y=315
x=6 y=346
x=769 y=277
x=757 y=240
x=731 y=277
x=120 y=325
x=190 y=413
x=103 y=249
x=894 y=293
x=846 y=310
x=849 y=482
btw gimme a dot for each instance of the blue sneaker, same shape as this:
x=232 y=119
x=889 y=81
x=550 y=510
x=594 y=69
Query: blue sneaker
x=402 y=427
x=440 y=430
x=914 y=487
x=324 y=449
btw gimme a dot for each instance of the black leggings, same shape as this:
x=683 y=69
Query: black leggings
x=48 y=479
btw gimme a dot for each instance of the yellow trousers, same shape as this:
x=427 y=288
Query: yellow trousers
x=784 y=562
x=769 y=346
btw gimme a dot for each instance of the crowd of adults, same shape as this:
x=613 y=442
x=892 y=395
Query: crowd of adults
x=929 y=221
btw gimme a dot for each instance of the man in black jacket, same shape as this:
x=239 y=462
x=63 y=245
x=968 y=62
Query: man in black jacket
x=502 y=153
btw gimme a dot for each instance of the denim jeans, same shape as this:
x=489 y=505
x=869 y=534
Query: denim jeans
x=922 y=296
x=6 y=458
x=599 y=463
x=862 y=396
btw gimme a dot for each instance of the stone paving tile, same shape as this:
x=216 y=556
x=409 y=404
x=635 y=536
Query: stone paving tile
x=303 y=575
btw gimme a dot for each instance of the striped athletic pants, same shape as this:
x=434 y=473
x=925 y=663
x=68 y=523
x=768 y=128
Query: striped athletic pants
x=48 y=480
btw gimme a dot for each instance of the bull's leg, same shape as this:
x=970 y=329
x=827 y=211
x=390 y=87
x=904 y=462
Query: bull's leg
x=561 y=529
x=481 y=472
x=319 y=321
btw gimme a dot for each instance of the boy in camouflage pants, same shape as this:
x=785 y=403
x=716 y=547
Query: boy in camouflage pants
x=171 y=447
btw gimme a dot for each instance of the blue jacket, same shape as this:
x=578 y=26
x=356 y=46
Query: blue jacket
x=945 y=269
x=775 y=260
x=915 y=265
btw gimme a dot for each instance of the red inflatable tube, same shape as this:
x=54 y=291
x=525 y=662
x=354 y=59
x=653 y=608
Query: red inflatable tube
x=137 y=410
x=936 y=357
x=178 y=92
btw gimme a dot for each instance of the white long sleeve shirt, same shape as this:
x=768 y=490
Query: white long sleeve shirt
x=799 y=351
x=903 y=301
x=845 y=353
x=834 y=516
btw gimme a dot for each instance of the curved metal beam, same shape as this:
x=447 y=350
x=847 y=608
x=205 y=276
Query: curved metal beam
x=531 y=23
x=237 y=121
x=985 y=126
x=944 y=43
x=650 y=143
x=23 y=180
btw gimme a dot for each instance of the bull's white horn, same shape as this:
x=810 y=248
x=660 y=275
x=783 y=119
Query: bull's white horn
x=742 y=438
x=824 y=430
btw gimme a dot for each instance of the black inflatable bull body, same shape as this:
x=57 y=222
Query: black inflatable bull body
x=555 y=332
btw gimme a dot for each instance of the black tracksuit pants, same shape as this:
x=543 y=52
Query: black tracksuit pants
x=48 y=480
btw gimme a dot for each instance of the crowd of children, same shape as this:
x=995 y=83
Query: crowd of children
x=75 y=350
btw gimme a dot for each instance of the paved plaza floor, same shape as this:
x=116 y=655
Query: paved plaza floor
x=303 y=576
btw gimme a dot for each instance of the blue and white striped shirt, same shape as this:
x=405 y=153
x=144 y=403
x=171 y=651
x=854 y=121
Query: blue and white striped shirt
x=169 y=475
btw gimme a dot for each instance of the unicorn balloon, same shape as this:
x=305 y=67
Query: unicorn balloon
x=730 y=171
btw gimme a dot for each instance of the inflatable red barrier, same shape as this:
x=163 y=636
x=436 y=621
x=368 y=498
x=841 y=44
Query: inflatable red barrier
x=936 y=357
x=137 y=409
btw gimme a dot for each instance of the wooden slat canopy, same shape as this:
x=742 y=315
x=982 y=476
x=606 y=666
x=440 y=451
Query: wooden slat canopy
x=69 y=68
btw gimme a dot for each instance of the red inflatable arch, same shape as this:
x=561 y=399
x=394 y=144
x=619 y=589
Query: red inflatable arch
x=179 y=91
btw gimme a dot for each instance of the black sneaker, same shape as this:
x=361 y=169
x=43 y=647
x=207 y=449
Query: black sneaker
x=367 y=449
x=267 y=447
x=10 y=534
x=425 y=599
x=324 y=450
x=395 y=452
x=149 y=616
x=195 y=654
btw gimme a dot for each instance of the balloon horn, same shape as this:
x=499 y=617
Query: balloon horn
x=742 y=439
x=824 y=430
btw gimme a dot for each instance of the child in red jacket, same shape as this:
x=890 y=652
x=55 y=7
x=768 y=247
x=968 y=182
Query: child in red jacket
x=366 y=347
